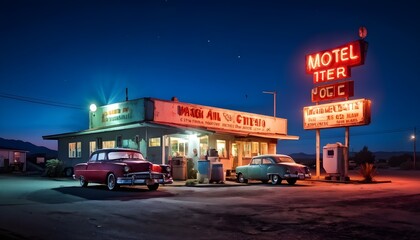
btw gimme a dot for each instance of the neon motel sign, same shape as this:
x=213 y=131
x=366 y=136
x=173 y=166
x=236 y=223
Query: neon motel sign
x=334 y=64
x=331 y=65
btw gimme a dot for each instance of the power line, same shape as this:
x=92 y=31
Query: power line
x=40 y=101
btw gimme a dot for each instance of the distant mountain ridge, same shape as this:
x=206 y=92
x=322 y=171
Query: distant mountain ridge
x=27 y=146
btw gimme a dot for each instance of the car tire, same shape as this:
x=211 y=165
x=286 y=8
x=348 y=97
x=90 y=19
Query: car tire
x=111 y=182
x=275 y=179
x=241 y=178
x=83 y=182
x=153 y=187
x=291 y=181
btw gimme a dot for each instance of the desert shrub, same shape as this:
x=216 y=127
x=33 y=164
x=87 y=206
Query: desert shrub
x=54 y=168
x=368 y=171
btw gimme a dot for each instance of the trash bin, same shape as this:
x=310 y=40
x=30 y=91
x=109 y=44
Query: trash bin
x=179 y=168
x=217 y=175
x=203 y=171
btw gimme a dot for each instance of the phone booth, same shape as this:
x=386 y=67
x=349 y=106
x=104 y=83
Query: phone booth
x=334 y=161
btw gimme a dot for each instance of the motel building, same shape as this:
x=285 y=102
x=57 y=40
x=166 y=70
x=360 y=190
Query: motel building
x=163 y=130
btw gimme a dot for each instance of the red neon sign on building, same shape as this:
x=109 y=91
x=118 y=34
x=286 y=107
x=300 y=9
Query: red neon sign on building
x=335 y=63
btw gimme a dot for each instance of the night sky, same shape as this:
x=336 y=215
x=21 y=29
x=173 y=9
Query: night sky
x=58 y=57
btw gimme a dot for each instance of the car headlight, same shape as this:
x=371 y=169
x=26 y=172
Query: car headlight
x=126 y=168
x=168 y=169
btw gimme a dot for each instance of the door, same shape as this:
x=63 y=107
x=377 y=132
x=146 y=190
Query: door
x=94 y=167
x=255 y=169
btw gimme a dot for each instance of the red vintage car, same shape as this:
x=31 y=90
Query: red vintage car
x=119 y=166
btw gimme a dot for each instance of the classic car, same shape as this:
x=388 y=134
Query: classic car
x=119 y=166
x=275 y=167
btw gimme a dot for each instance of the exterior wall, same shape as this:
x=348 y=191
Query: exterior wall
x=153 y=154
x=4 y=157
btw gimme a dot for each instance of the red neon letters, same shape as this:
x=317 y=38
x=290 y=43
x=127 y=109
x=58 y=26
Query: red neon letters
x=334 y=64
x=332 y=91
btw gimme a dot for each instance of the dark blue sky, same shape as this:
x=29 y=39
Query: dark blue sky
x=57 y=57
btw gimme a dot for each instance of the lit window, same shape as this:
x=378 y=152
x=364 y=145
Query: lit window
x=75 y=150
x=16 y=157
x=108 y=144
x=204 y=146
x=92 y=147
x=79 y=149
x=255 y=149
x=179 y=147
x=154 y=142
x=221 y=148
x=264 y=148
x=247 y=149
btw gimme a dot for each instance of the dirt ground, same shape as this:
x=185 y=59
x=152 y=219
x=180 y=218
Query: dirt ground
x=386 y=209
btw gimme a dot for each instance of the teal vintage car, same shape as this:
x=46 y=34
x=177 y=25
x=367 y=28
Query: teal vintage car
x=274 y=168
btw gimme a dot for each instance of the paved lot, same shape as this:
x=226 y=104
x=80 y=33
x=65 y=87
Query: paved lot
x=33 y=207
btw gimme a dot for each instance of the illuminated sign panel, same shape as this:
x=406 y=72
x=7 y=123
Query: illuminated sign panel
x=117 y=114
x=338 y=114
x=331 y=74
x=185 y=114
x=334 y=64
x=333 y=91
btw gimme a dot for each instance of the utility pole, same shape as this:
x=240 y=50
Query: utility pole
x=414 y=137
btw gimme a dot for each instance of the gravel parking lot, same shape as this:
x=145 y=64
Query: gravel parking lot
x=33 y=207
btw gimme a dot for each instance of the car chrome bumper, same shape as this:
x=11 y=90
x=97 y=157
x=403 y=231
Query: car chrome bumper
x=143 y=181
x=300 y=176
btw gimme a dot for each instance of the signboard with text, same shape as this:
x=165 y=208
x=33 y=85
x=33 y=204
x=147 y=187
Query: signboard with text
x=333 y=91
x=186 y=114
x=339 y=114
x=117 y=114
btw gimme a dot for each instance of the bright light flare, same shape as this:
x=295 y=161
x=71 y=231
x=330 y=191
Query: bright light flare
x=93 y=107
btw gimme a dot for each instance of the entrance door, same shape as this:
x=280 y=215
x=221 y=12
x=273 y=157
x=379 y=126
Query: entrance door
x=234 y=155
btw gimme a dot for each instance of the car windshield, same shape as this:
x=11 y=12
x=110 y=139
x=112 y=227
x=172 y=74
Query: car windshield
x=283 y=159
x=125 y=155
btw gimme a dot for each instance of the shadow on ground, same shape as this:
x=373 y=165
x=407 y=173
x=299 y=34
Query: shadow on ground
x=97 y=192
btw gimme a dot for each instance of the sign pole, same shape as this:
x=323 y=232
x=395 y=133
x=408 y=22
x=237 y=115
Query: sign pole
x=346 y=155
x=318 y=167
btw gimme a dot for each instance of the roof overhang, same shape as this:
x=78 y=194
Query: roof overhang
x=185 y=129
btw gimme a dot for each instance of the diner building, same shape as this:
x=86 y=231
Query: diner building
x=163 y=129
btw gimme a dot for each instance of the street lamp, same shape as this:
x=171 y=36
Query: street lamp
x=92 y=109
x=413 y=137
x=274 y=97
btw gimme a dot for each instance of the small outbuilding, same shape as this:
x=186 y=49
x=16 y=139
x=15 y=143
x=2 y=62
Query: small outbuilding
x=12 y=160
